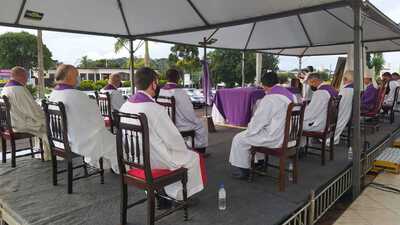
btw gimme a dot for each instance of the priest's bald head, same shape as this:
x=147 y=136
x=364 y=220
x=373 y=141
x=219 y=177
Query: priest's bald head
x=146 y=80
x=268 y=80
x=115 y=80
x=67 y=74
x=348 y=77
x=19 y=74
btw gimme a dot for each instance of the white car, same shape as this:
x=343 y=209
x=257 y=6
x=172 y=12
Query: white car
x=196 y=97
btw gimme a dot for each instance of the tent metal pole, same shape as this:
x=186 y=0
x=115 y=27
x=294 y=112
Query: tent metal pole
x=243 y=69
x=356 y=142
x=300 y=63
x=132 y=65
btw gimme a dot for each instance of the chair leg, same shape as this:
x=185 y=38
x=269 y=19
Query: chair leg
x=13 y=153
x=150 y=207
x=31 y=145
x=295 y=168
x=323 y=151
x=252 y=166
x=70 y=176
x=54 y=170
x=282 y=176
x=101 y=170
x=266 y=159
x=41 y=149
x=331 y=153
x=193 y=145
x=306 y=147
x=124 y=203
x=185 y=199
x=4 y=150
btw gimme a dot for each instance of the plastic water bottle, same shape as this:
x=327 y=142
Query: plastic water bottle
x=350 y=154
x=221 y=197
x=290 y=172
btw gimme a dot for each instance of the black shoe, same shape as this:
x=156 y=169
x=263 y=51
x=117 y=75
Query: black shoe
x=240 y=173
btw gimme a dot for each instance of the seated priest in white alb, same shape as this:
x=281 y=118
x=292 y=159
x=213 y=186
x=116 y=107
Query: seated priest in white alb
x=167 y=147
x=315 y=112
x=186 y=118
x=26 y=115
x=266 y=127
x=86 y=131
x=345 y=105
x=114 y=82
x=392 y=84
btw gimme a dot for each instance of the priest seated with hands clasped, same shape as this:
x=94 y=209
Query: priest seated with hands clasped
x=86 y=131
x=167 y=147
x=185 y=117
x=266 y=127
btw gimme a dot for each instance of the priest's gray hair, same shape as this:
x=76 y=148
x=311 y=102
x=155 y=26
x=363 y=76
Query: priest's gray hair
x=314 y=76
x=348 y=75
x=62 y=71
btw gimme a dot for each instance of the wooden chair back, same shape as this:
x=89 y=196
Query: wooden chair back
x=5 y=116
x=332 y=114
x=169 y=104
x=133 y=144
x=57 y=128
x=293 y=125
x=104 y=102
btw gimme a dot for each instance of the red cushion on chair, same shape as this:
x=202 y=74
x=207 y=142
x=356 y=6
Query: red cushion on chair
x=107 y=121
x=156 y=173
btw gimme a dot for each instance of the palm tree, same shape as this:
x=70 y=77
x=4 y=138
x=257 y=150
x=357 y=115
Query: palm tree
x=123 y=43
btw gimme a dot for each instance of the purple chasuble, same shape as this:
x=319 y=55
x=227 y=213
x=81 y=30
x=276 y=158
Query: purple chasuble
x=330 y=89
x=61 y=87
x=109 y=87
x=140 y=97
x=278 y=90
x=12 y=83
x=369 y=98
x=169 y=86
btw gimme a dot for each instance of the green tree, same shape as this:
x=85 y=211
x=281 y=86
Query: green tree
x=377 y=62
x=185 y=57
x=226 y=66
x=21 y=49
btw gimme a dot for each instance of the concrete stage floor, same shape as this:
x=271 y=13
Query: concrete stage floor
x=27 y=193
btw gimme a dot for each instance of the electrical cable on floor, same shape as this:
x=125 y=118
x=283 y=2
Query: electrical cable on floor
x=384 y=187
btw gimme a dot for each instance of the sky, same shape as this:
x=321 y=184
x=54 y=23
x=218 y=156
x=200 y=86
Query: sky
x=70 y=48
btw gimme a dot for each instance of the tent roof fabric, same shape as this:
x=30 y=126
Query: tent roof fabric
x=293 y=27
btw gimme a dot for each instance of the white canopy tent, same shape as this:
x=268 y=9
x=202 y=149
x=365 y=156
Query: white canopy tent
x=291 y=27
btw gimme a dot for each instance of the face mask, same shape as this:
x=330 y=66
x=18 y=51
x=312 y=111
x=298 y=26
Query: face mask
x=313 y=88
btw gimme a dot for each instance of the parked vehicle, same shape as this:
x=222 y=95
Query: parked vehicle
x=196 y=97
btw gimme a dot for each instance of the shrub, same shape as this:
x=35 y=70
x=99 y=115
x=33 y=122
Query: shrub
x=126 y=83
x=87 y=85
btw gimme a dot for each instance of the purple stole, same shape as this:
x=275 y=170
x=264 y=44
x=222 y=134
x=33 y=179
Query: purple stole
x=109 y=87
x=140 y=97
x=332 y=92
x=12 y=83
x=278 y=90
x=169 y=86
x=349 y=86
x=61 y=87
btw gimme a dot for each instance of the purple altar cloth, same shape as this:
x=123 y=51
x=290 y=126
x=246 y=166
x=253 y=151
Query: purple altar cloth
x=235 y=104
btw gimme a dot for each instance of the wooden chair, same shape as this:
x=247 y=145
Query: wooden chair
x=133 y=152
x=289 y=148
x=372 y=118
x=328 y=132
x=390 y=108
x=104 y=102
x=57 y=132
x=169 y=104
x=7 y=134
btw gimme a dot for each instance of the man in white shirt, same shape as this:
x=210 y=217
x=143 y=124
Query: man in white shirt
x=185 y=118
x=86 y=131
x=26 y=115
x=266 y=127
